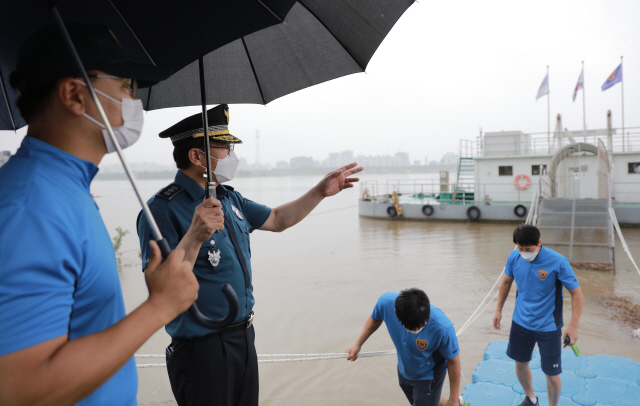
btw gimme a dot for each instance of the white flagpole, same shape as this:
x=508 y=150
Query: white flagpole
x=548 y=114
x=622 y=87
x=584 y=115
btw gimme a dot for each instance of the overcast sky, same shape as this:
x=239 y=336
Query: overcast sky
x=447 y=69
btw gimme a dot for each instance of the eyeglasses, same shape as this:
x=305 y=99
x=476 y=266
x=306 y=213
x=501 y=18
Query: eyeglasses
x=229 y=148
x=131 y=85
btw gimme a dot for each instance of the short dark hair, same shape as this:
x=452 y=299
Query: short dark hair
x=34 y=101
x=413 y=308
x=181 y=151
x=526 y=234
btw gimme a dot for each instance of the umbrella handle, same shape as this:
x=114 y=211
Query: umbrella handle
x=195 y=312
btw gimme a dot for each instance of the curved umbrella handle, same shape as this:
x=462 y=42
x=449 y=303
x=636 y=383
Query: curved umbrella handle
x=204 y=321
x=197 y=315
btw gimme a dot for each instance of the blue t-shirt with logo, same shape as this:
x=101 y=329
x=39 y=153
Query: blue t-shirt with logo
x=424 y=355
x=59 y=273
x=539 y=299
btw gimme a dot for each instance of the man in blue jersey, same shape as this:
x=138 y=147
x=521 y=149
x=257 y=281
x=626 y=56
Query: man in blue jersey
x=66 y=338
x=426 y=344
x=540 y=274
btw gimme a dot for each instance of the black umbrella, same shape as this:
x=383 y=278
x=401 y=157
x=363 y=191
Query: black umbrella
x=318 y=41
x=153 y=29
x=167 y=33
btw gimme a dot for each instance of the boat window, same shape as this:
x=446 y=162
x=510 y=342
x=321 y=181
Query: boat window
x=634 y=167
x=538 y=169
x=505 y=170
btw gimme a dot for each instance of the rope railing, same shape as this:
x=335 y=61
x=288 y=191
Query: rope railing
x=622 y=240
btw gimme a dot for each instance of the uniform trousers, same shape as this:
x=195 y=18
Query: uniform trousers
x=424 y=392
x=219 y=369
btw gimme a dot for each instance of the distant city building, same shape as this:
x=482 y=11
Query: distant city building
x=449 y=159
x=416 y=163
x=282 y=165
x=399 y=160
x=434 y=163
x=244 y=165
x=426 y=161
x=338 y=159
x=301 y=162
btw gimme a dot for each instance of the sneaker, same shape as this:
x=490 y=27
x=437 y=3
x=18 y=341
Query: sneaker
x=461 y=401
x=528 y=402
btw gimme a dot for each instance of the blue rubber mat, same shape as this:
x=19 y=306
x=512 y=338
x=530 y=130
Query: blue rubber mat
x=599 y=380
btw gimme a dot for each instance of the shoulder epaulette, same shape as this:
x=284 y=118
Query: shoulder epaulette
x=170 y=191
x=228 y=187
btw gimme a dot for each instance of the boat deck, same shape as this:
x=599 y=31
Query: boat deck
x=599 y=380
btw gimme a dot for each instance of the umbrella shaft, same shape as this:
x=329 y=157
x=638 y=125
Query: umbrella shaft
x=210 y=187
x=103 y=116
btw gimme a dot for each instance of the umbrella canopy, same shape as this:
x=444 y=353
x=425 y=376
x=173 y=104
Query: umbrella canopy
x=319 y=41
x=165 y=33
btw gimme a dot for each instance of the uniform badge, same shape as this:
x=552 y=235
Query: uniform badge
x=237 y=212
x=422 y=344
x=542 y=275
x=214 y=256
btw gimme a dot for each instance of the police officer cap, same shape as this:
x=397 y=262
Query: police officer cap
x=45 y=57
x=191 y=127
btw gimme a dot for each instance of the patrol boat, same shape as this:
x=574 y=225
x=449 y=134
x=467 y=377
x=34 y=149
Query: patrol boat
x=580 y=184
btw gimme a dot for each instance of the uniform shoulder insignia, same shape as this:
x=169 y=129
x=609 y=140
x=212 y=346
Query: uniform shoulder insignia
x=228 y=187
x=170 y=191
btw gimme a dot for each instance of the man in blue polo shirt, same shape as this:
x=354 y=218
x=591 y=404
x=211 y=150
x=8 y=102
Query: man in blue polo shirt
x=206 y=366
x=540 y=274
x=66 y=338
x=426 y=344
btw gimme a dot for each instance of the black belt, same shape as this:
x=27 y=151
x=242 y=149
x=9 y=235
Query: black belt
x=245 y=324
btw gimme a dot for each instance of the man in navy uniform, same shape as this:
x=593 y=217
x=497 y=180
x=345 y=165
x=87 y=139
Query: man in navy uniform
x=66 y=338
x=540 y=274
x=209 y=367
x=426 y=344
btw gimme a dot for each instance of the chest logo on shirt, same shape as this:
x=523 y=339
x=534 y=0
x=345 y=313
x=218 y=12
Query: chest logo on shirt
x=237 y=212
x=542 y=274
x=214 y=256
x=422 y=344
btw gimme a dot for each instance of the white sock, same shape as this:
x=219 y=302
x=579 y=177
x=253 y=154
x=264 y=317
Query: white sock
x=533 y=400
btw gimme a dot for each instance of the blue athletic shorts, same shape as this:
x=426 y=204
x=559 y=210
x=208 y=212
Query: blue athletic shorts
x=522 y=341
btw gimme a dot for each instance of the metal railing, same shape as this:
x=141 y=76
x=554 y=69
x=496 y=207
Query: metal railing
x=540 y=144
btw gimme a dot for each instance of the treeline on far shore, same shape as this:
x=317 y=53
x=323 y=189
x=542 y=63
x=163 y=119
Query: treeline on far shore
x=170 y=174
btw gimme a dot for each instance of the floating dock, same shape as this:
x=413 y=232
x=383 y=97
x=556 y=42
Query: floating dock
x=600 y=380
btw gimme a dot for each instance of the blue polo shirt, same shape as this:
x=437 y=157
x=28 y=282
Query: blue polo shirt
x=539 y=298
x=173 y=208
x=59 y=273
x=424 y=355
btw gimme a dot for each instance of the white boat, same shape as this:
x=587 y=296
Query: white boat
x=572 y=178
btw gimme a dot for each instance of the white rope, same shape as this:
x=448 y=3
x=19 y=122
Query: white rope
x=302 y=357
x=622 y=240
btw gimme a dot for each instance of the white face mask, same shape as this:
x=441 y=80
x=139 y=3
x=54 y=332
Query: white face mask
x=226 y=167
x=129 y=132
x=529 y=256
x=416 y=331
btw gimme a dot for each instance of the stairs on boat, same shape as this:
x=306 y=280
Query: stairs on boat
x=466 y=179
x=579 y=229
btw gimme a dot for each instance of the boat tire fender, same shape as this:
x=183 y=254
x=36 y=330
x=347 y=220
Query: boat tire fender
x=522 y=186
x=520 y=210
x=391 y=211
x=473 y=213
x=427 y=210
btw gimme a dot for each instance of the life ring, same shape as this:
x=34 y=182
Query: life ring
x=473 y=213
x=391 y=211
x=518 y=185
x=427 y=210
x=520 y=211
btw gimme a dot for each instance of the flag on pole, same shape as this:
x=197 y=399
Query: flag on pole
x=544 y=87
x=614 y=78
x=579 y=85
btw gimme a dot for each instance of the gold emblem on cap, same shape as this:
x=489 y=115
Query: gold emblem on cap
x=226 y=113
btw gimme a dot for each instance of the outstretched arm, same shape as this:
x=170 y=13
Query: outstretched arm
x=290 y=214
x=454 y=368
x=370 y=327
x=577 y=301
x=505 y=287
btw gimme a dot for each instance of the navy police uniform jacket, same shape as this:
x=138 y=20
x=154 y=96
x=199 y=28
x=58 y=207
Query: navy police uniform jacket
x=224 y=258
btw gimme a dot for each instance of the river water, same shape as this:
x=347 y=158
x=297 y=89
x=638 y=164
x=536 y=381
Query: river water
x=316 y=283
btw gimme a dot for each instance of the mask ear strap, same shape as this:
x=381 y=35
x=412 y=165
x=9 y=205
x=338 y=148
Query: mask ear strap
x=101 y=93
x=94 y=120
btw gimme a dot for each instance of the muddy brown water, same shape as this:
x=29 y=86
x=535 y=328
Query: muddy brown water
x=316 y=283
